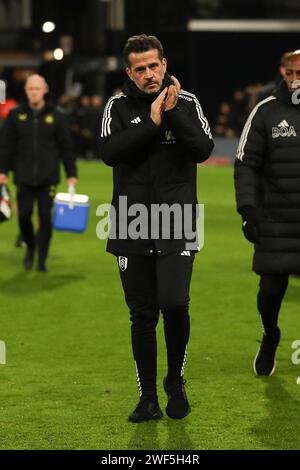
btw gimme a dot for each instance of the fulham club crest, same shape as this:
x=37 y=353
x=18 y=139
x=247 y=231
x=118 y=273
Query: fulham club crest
x=123 y=262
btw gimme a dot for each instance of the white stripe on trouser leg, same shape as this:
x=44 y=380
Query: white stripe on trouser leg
x=262 y=324
x=184 y=362
x=138 y=379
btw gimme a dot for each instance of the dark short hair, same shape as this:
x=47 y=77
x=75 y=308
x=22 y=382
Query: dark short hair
x=141 y=43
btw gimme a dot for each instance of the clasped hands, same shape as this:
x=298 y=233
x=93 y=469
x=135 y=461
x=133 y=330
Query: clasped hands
x=165 y=101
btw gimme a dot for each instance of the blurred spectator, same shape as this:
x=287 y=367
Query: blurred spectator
x=84 y=116
x=239 y=114
x=96 y=113
x=82 y=128
x=5 y=109
x=86 y=121
x=223 y=126
x=65 y=105
x=232 y=114
x=252 y=94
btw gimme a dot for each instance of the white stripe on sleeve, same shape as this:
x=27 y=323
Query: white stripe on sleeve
x=244 y=136
x=202 y=118
x=106 y=120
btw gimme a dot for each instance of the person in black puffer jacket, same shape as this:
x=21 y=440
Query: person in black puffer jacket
x=153 y=134
x=34 y=139
x=267 y=182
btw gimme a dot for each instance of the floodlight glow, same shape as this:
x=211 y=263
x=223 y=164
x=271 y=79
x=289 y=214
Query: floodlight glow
x=48 y=27
x=58 y=54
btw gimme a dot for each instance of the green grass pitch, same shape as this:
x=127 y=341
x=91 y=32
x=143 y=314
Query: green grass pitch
x=69 y=380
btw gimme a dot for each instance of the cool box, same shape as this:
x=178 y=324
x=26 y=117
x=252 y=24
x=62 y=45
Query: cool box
x=71 y=212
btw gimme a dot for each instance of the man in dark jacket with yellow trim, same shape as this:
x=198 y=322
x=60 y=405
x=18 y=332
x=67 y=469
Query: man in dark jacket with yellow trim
x=153 y=134
x=35 y=138
x=267 y=181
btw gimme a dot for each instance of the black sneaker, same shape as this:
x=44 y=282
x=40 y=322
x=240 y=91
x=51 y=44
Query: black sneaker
x=42 y=267
x=147 y=408
x=29 y=258
x=178 y=406
x=19 y=243
x=264 y=363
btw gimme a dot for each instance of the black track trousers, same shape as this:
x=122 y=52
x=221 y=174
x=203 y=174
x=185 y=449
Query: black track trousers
x=272 y=289
x=26 y=197
x=152 y=284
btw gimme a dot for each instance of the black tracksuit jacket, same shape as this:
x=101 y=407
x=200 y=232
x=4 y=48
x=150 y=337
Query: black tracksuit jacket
x=267 y=178
x=33 y=146
x=153 y=164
